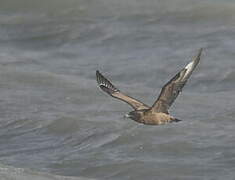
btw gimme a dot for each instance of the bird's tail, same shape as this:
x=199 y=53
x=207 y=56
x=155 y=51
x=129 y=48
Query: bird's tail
x=176 y=120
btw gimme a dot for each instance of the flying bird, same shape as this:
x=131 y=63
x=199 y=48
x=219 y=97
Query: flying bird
x=158 y=113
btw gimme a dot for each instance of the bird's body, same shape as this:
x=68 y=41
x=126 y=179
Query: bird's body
x=158 y=113
x=150 y=117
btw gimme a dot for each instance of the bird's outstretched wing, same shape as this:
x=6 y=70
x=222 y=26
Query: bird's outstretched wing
x=109 y=88
x=171 y=90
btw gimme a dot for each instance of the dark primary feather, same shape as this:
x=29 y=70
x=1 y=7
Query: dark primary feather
x=172 y=88
x=109 y=88
x=105 y=84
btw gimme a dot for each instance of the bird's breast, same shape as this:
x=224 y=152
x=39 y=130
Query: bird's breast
x=152 y=118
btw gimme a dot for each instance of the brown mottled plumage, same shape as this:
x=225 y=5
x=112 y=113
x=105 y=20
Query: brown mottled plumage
x=158 y=113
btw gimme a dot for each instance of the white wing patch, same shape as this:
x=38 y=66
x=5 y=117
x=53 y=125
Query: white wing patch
x=103 y=84
x=189 y=68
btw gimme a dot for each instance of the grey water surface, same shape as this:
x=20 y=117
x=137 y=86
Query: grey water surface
x=56 y=124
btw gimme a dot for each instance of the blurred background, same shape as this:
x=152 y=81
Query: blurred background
x=54 y=121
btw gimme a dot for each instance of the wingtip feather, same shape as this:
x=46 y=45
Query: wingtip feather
x=105 y=84
x=197 y=58
x=192 y=65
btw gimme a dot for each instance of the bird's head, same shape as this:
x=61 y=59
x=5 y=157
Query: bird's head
x=135 y=115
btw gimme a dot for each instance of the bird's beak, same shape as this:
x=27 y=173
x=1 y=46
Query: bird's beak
x=127 y=116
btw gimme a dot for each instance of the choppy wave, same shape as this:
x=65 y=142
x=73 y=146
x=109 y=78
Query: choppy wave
x=54 y=119
x=102 y=8
x=8 y=172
